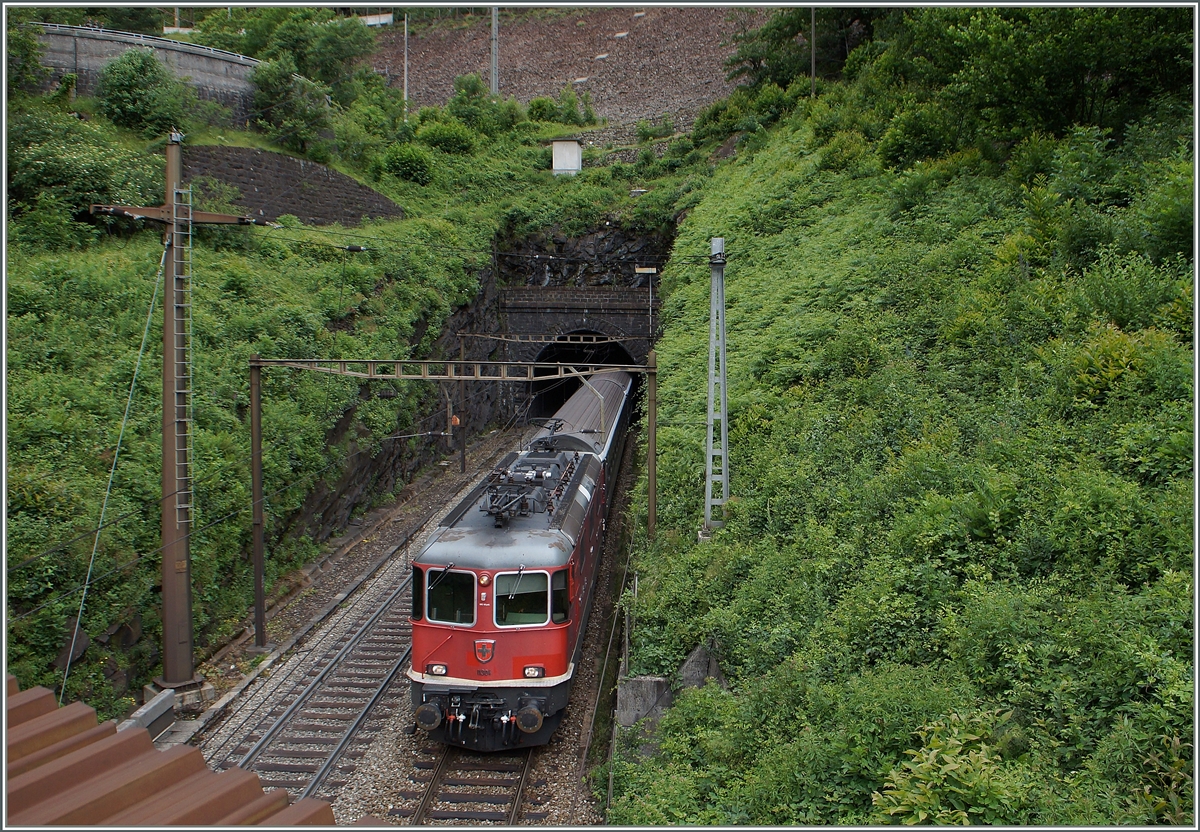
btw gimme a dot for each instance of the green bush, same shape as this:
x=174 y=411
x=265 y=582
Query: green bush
x=447 y=136
x=48 y=225
x=73 y=163
x=543 y=109
x=956 y=777
x=922 y=132
x=23 y=53
x=408 y=162
x=648 y=130
x=137 y=91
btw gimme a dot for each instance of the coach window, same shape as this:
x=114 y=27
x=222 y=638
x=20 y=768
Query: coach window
x=559 y=599
x=451 y=596
x=522 y=598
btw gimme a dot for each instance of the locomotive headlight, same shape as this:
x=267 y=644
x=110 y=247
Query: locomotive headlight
x=484 y=579
x=435 y=669
x=534 y=672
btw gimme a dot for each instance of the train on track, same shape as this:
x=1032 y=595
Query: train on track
x=504 y=587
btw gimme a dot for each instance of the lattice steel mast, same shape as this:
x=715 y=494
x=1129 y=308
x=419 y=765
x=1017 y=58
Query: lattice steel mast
x=716 y=459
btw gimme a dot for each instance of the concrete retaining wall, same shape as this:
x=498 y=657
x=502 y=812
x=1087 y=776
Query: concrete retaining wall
x=215 y=75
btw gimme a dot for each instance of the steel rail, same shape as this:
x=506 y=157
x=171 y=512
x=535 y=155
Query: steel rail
x=309 y=691
x=516 y=805
x=434 y=779
x=319 y=778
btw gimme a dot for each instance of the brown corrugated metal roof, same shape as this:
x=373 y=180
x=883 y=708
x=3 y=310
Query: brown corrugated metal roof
x=64 y=768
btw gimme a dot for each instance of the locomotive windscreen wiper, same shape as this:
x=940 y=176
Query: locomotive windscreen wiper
x=517 y=582
x=438 y=579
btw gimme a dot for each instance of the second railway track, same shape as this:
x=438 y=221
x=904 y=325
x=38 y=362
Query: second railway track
x=303 y=725
x=302 y=748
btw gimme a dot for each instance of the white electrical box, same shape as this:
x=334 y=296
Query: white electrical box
x=568 y=157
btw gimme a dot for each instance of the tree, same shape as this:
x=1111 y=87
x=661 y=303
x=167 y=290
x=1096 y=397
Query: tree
x=138 y=92
x=779 y=51
x=293 y=110
x=25 y=70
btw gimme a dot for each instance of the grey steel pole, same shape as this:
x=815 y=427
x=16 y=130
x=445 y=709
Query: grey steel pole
x=495 y=50
x=406 y=67
x=256 y=490
x=812 y=50
x=462 y=406
x=652 y=445
x=718 y=406
x=176 y=560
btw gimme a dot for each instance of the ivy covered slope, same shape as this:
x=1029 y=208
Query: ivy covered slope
x=78 y=304
x=76 y=321
x=956 y=577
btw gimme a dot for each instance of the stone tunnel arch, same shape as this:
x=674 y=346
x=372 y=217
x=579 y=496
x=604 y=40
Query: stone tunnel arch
x=546 y=397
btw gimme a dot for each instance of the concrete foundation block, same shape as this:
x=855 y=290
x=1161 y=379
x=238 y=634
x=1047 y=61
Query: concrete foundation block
x=641 y=697
x=156 y=716
x=699 y=667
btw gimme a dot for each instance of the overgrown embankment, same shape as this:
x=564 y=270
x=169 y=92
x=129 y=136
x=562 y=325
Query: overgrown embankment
x=79 y=295
x=956 y=578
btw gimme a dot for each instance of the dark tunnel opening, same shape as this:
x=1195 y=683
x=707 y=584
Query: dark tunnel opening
x=546 y=397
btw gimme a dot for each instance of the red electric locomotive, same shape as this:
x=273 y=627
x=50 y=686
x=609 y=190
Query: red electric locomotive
x=503 y=589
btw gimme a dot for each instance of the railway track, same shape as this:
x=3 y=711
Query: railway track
x=305 y=725
x=454 y=786
x=313 y=719
x=303 y=748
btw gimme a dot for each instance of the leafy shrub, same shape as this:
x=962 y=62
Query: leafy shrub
x=23 y=52
x=1165 y=211
x=921 y=132
x=137 y=91
x=1129 y=290
x=447 y=136
x=568 y=106
x=48 y=225
x=543 y=109
x=848 y=151
x=647 y=130
x=955 y=777
x=409 y=162
x=1032 y=157
x=56 y=156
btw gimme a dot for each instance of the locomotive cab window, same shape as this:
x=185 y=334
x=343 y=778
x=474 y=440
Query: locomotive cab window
x=450 y=598
x=559 y=599
x=522 y=598
x=418 y=593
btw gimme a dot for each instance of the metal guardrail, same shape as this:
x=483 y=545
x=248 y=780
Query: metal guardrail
x=149 y=40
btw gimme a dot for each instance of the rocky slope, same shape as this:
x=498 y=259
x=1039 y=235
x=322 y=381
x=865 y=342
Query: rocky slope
x=636 y=63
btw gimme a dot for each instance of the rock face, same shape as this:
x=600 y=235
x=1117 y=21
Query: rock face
x=329 y=507
x=272 y=184
x=606 y=257
x=636 y=64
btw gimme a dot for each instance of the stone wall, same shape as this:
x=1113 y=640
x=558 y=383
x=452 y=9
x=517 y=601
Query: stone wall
x=273 y=184
x=626 y=313
x=215 y=75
